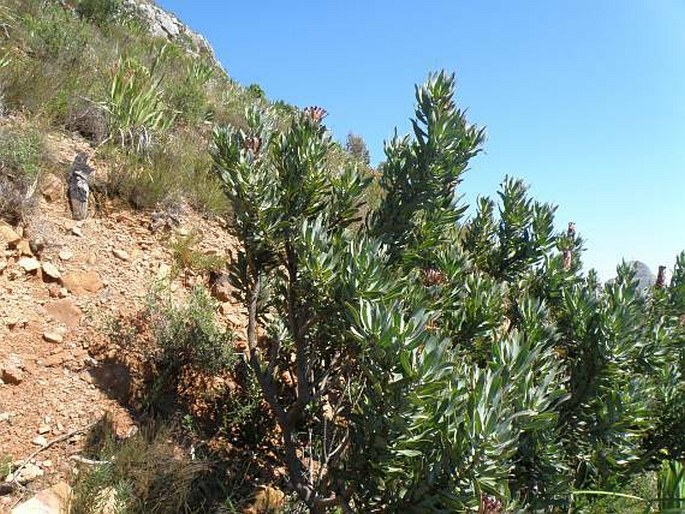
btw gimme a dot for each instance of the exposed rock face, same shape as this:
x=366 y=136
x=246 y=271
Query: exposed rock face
x=165 y=24
x=643 y=274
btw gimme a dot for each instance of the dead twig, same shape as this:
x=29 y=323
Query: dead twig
x=90 y=462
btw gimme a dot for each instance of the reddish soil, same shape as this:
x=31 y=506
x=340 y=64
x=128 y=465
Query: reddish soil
x=48 y=331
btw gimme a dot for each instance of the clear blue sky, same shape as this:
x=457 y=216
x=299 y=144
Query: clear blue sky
x=583 y=99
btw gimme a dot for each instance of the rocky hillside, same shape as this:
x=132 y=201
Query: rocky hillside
x=62 y=283
x=156 y=227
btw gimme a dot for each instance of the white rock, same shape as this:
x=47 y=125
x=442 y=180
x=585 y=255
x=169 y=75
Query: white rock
x=29 y=472
x=53 y=337
x=51 y=270
x=40 y=441
x=29 y=264
x=121 y=254
x=54 y=500
x=66 y=255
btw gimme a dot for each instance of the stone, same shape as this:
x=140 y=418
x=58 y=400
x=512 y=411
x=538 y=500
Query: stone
x=12 y=375
x=8 y=235
x=64 y=311
x=54 y=500
x=164 y=271
x=76 y=230
x=24 y=248
x=66 y=255
x=52 y=188
x=79 y=188
x=40 y=440
x=29 y=264
x=57 y=359
x=4 y=416
x=29 y=472
x=51 y=271
x=17 y=323
x=43 y=429
x=37 y=245
x=53 y=290
x=221 y=289
x=53 y=337
x=121 y=254
x=81 y=282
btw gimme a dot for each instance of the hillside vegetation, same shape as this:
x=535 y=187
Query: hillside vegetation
x=398 y=355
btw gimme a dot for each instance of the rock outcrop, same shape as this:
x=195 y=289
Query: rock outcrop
x=164 y=24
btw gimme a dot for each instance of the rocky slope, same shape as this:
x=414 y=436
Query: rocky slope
x=60 y=283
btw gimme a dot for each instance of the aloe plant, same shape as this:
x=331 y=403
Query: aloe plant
x=136 y=106
x=671 y=486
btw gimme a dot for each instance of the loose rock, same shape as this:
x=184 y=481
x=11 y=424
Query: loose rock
x=40 y=441
x=51 y=271
x=24 y=248
x=80 y=282
x=12 y=375
x=29 y=472
x=64 y=311
x=53 y=337
x=29 y=264
x=52 y=188
x=8 y=235
x=121 y=254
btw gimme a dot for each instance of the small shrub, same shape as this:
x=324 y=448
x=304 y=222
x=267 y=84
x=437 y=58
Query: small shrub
x=89 y=120
x=189 y=334
x=5 y=465
x=178 y=168
x=99 y=12
x=356 y=147
x=143 y=473
x=187 y=256
x=136 y=107
x=189 y=97
x=256 y=91
x=21 y=157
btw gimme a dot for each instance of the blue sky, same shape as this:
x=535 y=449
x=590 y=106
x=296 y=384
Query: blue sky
x=583 y=99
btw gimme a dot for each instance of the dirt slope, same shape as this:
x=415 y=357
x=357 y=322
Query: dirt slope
x=101 y=268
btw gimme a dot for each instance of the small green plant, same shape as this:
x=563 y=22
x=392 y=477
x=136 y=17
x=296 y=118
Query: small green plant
x=671 y=487
x=189 y=334
x=144 y=473
x=188 y=344
x=99 y=12
x=256 y=91
x=21 y=151
x=21 y=160
x=187 y=256
x=136 y=106
x=5 y=465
